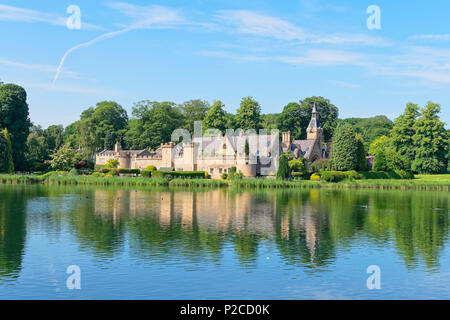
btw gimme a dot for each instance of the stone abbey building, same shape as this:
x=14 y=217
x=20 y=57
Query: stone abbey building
x=253 y=155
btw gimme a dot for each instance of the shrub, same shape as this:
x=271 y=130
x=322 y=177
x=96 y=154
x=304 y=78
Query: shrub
x=224 y=175
x=284 y=172
x=336 y=176
x=97 y=174
x=112 y=164
x=233 y=174
x=179 y=174
x=73 y=172
x=315 y=177
x=320 y=164
x=130 y=171
x=150 y=168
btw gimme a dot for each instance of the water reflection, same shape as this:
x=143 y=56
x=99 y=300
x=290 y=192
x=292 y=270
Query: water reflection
x=308 y=228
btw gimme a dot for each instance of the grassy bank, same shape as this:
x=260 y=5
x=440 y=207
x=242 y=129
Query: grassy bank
x=422 y=182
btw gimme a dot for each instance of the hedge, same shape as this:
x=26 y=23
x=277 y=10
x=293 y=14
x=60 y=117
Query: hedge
x=130 y=171
x=179 y=174
x=336 y=176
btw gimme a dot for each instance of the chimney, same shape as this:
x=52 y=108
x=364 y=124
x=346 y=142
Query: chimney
x=117 y=147
x=286 y=138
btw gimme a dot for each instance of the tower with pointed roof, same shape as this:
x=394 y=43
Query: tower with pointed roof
x=314 y=130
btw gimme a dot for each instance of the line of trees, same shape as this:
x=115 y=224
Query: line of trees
x=417 y=141
x=418 y=138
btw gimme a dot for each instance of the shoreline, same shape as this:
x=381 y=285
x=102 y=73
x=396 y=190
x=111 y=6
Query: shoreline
x=421 y=182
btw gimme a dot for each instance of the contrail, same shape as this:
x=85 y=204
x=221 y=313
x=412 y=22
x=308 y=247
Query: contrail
x=89 y=43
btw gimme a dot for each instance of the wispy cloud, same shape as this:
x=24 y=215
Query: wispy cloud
x=10 y=13
x=436 y=37
x=312 y=57
x=252 y=23
x=144 y=17
x=69 y=89
x=35 y=67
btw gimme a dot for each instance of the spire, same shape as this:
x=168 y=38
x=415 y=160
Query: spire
x=314 y=123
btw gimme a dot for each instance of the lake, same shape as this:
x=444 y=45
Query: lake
x=223 y=243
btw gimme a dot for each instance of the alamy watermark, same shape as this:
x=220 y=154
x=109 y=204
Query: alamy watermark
x=74 y=20
x=374 y=20
x=374 y=280
x=73 y=282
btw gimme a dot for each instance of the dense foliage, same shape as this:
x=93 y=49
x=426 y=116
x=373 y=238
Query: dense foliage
x=344 y=150
x=14 y=117
x=6 y=157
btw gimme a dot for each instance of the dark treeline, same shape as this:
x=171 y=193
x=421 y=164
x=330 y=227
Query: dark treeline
x=152 y=123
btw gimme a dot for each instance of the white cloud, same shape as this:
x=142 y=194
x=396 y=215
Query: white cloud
x=152 y=16
x=35 y=67
x=438 y=37
x=344 y=84
x=252 y=23
x=10 y=13
x=312 y=57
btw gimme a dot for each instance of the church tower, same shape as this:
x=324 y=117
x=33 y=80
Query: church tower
x=314 y=130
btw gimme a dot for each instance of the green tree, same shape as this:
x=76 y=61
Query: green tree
x=6 y=156
x=64 y=159
x=216 y=118
x=360 y=153
x=284 y=172
x=291 y=119
x=97 y=127
x=380 y=163
x=328 y=115
x=431 y=141
x=298 y=165
x=403 y=131
x=248 y=115
x=371 y=128
x=344 y=150
x=14 y=117
x=378 y=144
x=36 y=151
x=53 y=138
x=155 y=123
x=194 y=110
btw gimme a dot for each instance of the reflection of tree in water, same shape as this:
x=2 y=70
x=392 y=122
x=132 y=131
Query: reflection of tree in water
x=12 y=231
x=99 y=219
x=418 y=221
x=310 y=227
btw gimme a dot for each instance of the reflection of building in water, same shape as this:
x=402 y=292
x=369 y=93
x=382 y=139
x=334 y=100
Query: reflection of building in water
x=221 y=211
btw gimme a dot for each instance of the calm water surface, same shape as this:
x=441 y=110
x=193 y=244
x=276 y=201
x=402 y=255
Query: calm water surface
x=222 y=244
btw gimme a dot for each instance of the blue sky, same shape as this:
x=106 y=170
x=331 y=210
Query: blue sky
x=275 y=51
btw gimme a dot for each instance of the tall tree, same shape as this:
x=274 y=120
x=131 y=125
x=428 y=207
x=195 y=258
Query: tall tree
x=216 y=118
x=14 y=117
x=431 y=141
x=360 y=153
x=155 y=121
x=6 y=157
x=194 y=110
x=344 y=150
x=248 y=115
x=284 y=171
x=54 y=138
x=291 y=119
x=371 y=128
x=403 y=131
x=36 y=151
x=328 y=115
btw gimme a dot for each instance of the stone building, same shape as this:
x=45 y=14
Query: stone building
x=219 y=154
